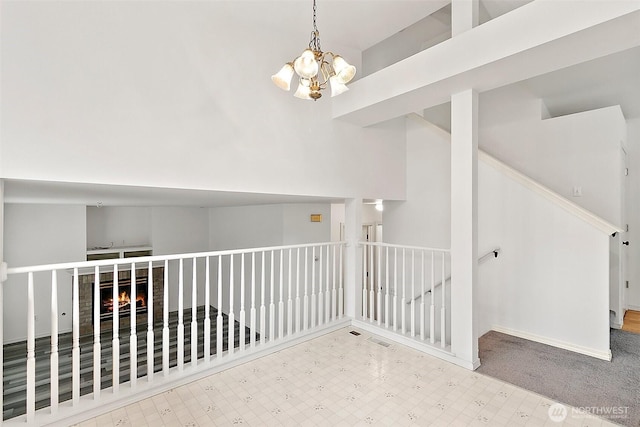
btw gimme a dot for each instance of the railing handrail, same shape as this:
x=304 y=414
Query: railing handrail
x=483 y=258
x=154 y=258
x=390 y=245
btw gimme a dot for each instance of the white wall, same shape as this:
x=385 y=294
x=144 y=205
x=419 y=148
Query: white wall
x=118 y=226
x=577 y=150
x=297 y=225
x=551 y=262
x=245 y=227
x=181 y=230
x=33 y=235
x=551 y=281
x=136 y=93
x=424 y=219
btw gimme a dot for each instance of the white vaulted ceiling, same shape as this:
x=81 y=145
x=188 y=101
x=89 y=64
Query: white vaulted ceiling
x=357 y=25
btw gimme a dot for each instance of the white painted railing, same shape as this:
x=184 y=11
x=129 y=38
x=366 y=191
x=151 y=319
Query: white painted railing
x=279 y=293
x=491 y=254
x=391 y=276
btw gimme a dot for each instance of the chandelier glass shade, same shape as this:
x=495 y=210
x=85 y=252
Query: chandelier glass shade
x=315 y=70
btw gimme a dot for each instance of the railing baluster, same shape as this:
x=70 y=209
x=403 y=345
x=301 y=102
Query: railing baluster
x=280 y=297
x=326 y=305
x=334 y=295
x=231 y=318
x=165 y=320
x=372 y=296
x=181 y=315
x=386 y=296
x=432 y=311
x=443 y=310
x=413 y=292
x=306 y=286
x=252 y=339
x=327 y=294
x=263 y=314
x=219 y=320
x=133 y=339
x=404 y=291
x=75 y=352
x=194 y=313
x=422 y=298
x=378 y=287
x=54 y=342
x=242 y=332
x=289 y=300
x=320 y=286
x=272 y=305
x=31 y=351
x=298 y=290
x=313 y=287
x=96 y=335
x=150 y=336
x=115 y=342
x=395 y=289
x=364 y=281
x=207 y=311
x=341 y=290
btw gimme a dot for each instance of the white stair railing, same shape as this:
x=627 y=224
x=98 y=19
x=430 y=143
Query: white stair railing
x=276 y=314
x=491 y=254
x=393 y=273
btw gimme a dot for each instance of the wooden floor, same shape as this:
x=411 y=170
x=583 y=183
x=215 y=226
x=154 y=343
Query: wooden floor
x=14 y=380
x=632 y=321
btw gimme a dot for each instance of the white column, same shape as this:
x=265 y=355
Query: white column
x=464 y=225
x=464 y=15
x=353 y=258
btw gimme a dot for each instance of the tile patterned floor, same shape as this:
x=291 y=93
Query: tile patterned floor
x=343 y=380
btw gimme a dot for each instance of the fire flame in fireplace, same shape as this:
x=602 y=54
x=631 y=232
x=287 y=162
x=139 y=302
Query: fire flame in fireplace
x=124 y=301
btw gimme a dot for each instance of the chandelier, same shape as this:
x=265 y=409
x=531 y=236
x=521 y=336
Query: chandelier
x=316 y=69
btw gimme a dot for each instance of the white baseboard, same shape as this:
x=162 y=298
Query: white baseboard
x=633 y=307
x=598 y=354
x=444 y=354
x=616 y=325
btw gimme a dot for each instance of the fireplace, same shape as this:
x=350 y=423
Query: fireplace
x=145 y=284
x=124 y=298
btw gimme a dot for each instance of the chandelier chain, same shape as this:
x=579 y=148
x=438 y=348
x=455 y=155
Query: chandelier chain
x=314 y=43
x=315 y=28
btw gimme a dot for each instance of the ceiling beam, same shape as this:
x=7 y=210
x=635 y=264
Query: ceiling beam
x=535 y=39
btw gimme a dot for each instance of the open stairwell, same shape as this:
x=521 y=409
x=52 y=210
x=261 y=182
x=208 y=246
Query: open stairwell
x=556 y=262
